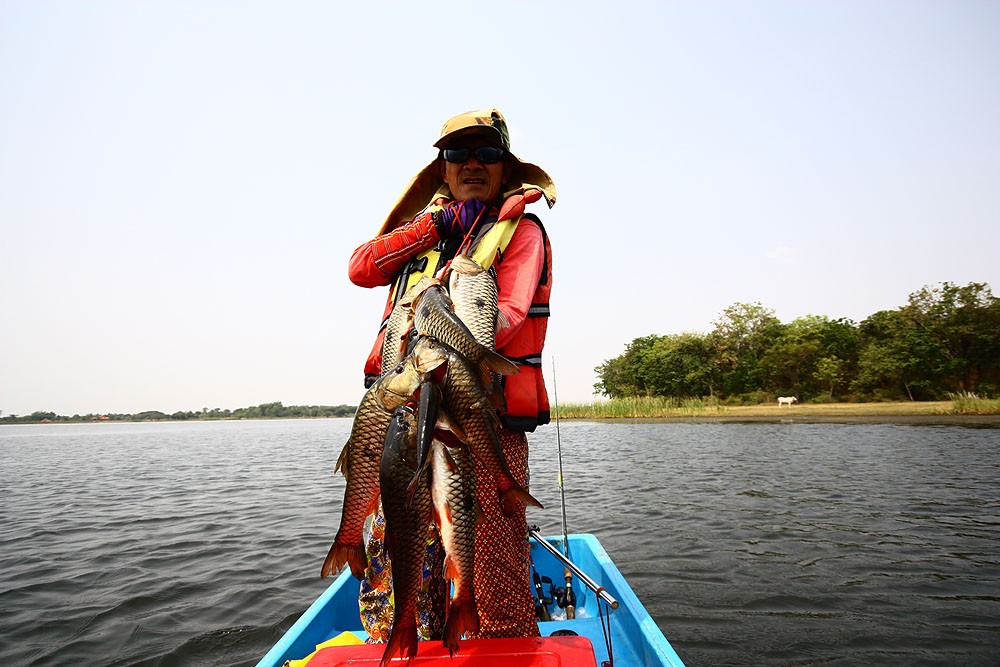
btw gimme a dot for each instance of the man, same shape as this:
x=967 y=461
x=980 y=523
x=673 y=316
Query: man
x=471 y=199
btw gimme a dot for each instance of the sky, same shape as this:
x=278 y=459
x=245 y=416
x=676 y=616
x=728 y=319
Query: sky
x=182 y=183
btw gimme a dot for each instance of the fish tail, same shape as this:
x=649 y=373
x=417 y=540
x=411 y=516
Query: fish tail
x=402 y=642
x=514 y=497
x=462 y=619
x=353 y=554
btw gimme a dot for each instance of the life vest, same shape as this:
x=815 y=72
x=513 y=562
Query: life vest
x=526 y=397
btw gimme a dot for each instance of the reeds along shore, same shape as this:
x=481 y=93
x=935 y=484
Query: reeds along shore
x=654 y=407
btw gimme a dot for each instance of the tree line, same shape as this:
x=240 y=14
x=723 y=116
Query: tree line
x=263 y=411
x=945 y=339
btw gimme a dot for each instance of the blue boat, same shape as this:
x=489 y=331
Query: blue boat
x=633 y=637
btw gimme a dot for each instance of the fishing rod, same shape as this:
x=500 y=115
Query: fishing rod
x=593 y=585
x=568 y=599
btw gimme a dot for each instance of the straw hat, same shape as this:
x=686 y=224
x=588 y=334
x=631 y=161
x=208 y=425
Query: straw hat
x=428 y=185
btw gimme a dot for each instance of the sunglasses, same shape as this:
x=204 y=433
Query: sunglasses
x=485 y=154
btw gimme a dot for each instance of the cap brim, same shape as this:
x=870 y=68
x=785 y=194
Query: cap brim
x=487 y=131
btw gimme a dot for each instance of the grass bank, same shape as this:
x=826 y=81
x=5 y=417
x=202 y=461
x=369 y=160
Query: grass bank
x=669 y=408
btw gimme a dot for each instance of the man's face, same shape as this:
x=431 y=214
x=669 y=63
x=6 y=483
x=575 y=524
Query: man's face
x=472 y=179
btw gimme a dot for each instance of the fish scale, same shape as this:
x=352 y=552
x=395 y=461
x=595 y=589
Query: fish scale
x=474 y=293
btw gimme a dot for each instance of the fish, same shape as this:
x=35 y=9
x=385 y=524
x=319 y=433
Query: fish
x=475 y=296
x=406 y=525
x=456 y=512
x=434 y=315
x=360 y=458
x=399 y=323
x=428 y=409
x=465 y=400
x=473 y=292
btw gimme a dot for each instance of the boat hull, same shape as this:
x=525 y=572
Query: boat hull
x=635 y=639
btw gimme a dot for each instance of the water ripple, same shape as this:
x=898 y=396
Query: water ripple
x=792 y=544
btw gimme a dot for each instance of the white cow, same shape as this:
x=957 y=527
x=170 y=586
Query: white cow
x=786 y=400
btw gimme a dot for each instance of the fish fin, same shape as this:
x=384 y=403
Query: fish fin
x=418 y=288
x=485 y=377
x=411 y=488
x=449 y=461
x=352 y=554
x=441 y=517
x=374 y=502
x=502 y=321
x=463 y=619
x=342 y=459
x=402 y=641
x=512 y=498
x=497 y=398
x=449 y=439
x=480 y=512
x=450 y=568
x=446 y=423
x=498 y=389
x=466 y=264
x=499 y=363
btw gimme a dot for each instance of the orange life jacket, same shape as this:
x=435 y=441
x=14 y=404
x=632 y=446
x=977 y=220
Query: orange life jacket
x=527 y=399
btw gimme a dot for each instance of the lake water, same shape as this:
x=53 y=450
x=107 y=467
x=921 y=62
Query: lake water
x=786 y=544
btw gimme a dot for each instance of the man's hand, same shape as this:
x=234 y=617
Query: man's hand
x=460 y=217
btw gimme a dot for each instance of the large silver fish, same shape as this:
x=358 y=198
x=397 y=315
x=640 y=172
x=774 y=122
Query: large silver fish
x=474 y=293
x=362 y=454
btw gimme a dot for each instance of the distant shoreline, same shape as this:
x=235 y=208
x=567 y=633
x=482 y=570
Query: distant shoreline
x=169 y=421
x=944 y=420
x=899 y=412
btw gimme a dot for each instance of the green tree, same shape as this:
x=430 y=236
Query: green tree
x=743 y=333
x=831 y=371
x=895 y=357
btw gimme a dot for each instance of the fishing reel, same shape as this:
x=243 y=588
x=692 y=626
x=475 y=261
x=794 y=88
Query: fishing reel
x=542 y=603
x=564 y=597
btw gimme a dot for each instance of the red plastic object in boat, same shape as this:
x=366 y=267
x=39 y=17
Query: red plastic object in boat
x=519 y=652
